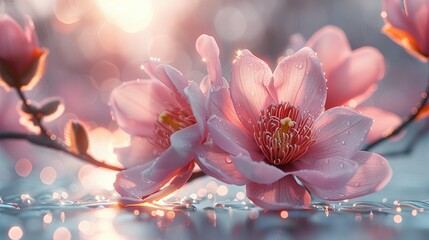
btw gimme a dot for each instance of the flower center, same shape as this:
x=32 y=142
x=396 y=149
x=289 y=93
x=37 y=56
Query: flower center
x=283 y=135
x=170 y=121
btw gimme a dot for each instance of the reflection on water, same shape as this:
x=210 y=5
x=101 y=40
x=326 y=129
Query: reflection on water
x=108 y=216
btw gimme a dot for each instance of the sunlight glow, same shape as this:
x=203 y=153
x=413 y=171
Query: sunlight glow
x=131 y=15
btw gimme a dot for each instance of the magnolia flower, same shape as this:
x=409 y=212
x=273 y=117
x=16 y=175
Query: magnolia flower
x=407 y=26
x=167 y=119
x=22 y=62
x=280 y=139
x=352 y=76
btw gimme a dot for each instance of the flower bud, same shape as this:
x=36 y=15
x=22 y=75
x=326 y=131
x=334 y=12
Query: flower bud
x=76 y=137
x=22 y=62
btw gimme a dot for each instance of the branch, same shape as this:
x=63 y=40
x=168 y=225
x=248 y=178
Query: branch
x=406 y=122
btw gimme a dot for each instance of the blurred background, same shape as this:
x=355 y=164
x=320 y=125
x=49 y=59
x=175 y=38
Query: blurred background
x=95 y=45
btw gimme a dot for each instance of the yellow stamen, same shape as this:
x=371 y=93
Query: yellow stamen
x=164 y=117
x=287 y=123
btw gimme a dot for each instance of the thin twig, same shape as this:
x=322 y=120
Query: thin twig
x=36 y=117
x=406 y=122
x=46 y=141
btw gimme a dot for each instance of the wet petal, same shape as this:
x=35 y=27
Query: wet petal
x=136 y=105
x=179 y=154
x=197 y=101
x=325 y=173
x=339 y=132
x=132 y=182
x=362 y=69
x=372 y=175
x=218 y=164
x=220 y=104
x=209 y=51
x=138 y=152
x=283 y=194
x=299 y=80
x=229 y=137
x=170 y=77
x=249 y=94
x=257 y=171
x=384 y=122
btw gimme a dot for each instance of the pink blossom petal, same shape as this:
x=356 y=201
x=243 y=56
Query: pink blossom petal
x=384 y=122
x=325 y=173
x=136 y=105
x=209 y=51
x=231 y=138
x=179 y=154
x=340 y=132
x=249 y=94
x=362 y=69
x=418 y=12
x=331 y=45
x=396 y=15
x=220 y=104
x=132 y=183
x=30 y=32
x=299 y=80
x=256 y=170
x=372 y=175
x=197 y=101
x=170 y=77
x=140 y=151
x=218 y=164
x=283 y=194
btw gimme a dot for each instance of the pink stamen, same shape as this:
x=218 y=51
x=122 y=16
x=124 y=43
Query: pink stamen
x=283 y=134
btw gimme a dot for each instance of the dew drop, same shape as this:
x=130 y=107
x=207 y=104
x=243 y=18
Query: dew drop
x=341 y=165
x=327 y=161
x=299 y=66
x=357 y=184
x=343 y=142
x=348 y=123
x=228 y=160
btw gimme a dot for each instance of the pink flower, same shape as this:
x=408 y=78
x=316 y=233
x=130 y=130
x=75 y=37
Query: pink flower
x=407 y=26
x=277 y=132
x=167 y=118
x=352 y=76
x=22 y=62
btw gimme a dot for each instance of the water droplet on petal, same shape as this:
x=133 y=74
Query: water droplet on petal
x=228 y=160
x=341 y=165
x=343 y=142
x=357 y=184
x=348 y=123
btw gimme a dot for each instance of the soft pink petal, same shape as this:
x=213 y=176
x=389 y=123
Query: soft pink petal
x=396 y=15
x=218 y=164
x=418 y=12
x=30 y=32
x=299 y=80
x=140 y=151
x=220 y=104
x=256 y=170
x=283 y=194
x=362 y=69
x=331 y=45
x=249 y=94
x=197 y=101
x=325 y=173
x=170 y=77
x=132 y=182
x=136 y=105
x=179 y=154
x=339 y=132
x=384 y=122
x=372 y=175
x=231 y=138
x=209 y=51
